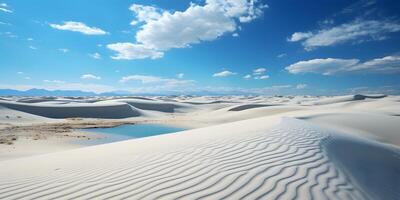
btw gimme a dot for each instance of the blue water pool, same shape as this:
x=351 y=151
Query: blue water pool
x=125 y=132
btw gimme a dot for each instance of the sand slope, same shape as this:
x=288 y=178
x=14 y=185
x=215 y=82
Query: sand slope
x=161 y=106
x=109 y=110
x=262 y=158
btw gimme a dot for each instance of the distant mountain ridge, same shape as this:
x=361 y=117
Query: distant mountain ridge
x=43 y=92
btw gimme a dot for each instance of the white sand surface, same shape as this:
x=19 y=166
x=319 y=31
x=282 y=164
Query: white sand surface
x=252 y=159
x=241 y=147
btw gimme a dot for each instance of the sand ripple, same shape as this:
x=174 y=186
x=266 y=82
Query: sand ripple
x=295 y=160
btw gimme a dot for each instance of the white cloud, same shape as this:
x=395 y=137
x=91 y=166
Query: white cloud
x=164 y=30
x=95 y=55
x=297 y=36
x=388 y=64
x=327 y=22
x=54 y=81
x=281 y=55
x=29 y=39
x=224 y=74
x=9 y=34
x=355 y=31
x=301 y=86
x=275 y=87
x=180 y=75
x=5 y=8
x=157 y=82
x=326 y=66
x=125 y=32
x=78 y=27
x=261 y=77
x=90 y=76
x=20 y=72
x=180 y=29
x=144 y=13
x=63 y=50
x=5 y=23
x=142 y=78
x=235 y=35
x=330 y=66
x=259 y=71
x=248 y=76
x=128 y=51
x=259 y=74
x=27 y=78
x=32 y=47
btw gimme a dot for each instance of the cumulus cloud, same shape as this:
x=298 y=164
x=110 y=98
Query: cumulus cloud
x=95 y=55
x=224 y=74
x=356 y=31
x=129 y=51
x=181 y=29
x=78 y=27
x=90 y=76
x=163 y=30
x=330 y=66
x=144 y=13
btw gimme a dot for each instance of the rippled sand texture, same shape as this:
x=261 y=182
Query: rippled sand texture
x=293 y=160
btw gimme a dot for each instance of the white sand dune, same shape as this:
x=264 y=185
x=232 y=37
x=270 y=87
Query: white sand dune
x=248 y=106
x=113 y=110
x=36 y=100
x=383 y=128
x=249 y=148
x=16 y=117
x=168 y=107
x=341 y=99
x=252 y=159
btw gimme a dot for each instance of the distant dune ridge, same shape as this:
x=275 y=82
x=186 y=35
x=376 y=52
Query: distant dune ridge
x=348 y=98
x=110 y=110
x=291 y=147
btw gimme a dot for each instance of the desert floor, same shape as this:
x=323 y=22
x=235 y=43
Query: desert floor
x=250 y=147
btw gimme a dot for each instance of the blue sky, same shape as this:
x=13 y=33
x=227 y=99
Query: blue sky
x=213 y=46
